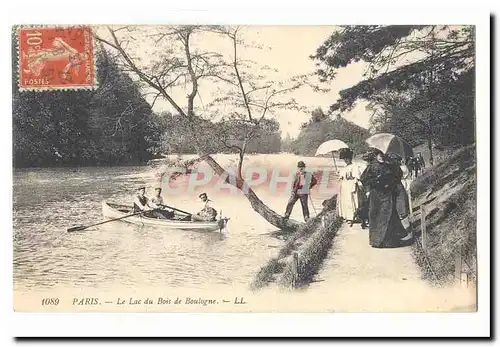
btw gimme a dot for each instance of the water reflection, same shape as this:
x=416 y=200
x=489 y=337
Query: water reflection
x=48 y=201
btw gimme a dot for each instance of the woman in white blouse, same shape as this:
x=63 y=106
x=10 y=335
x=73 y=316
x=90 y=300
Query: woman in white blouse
x=349 y=178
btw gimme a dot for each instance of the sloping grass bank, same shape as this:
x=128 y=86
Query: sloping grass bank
x=311 y=241
x=447 y=192
x=310 y=254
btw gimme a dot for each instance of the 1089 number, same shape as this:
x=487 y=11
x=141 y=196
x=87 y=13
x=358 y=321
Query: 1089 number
x=50 y=301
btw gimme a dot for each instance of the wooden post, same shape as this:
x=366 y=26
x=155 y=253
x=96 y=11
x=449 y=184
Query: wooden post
x=460 y=276
x=423 y=234
x=220 y=216
x=458 y=266
x=295 y=269
x=464 y=280
x=408 y=192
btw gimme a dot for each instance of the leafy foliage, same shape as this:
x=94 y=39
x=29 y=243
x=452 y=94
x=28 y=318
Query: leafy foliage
x=286 y=144
x=108 y=126
x=357 y=43
x=251 y=94
x=419 y=80
x=436 y=52
x=446 y=118
x=224 y=136
x=322 y=128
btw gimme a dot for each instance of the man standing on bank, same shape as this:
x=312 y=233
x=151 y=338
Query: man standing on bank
x=300 y=191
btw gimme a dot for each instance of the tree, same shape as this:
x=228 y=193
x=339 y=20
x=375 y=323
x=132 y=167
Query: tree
x=251 y=97
x=318 y=115
x=231 y=133
x=399 y=59
x=121 y=122
x=215 y=135
x=321 y=129
x=448 y=121
x=107 y=126
x=286 y=144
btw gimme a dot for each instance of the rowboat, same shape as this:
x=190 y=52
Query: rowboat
x=112 y=211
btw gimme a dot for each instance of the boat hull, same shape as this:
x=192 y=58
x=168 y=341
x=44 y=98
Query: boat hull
x=112 y=211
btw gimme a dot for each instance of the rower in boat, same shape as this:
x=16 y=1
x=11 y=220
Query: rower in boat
x=141 y=202
x=207 y=213
x=118 y=212
x=157 y=203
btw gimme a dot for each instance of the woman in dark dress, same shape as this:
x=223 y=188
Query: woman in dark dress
x=381 y=178
x=402 y=202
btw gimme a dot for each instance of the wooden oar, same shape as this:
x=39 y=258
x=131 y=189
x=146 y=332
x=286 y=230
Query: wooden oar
x=176 y=209
x=83 y=227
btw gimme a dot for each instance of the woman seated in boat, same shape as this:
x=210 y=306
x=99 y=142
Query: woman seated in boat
x=157 y=204
x=207 y=213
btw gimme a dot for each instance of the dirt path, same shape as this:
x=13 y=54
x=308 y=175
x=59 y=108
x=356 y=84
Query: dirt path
x=357 y=277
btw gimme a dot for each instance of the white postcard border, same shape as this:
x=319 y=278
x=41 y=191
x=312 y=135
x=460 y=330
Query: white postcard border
x=255 y=324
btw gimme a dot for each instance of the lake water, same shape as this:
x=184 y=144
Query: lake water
x=49 y=201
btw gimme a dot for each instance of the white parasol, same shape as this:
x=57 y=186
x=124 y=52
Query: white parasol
x=330 y=147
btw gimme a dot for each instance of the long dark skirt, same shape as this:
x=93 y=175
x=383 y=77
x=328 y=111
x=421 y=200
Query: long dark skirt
x=385 y=226
x=402 y=203
x=363 y=204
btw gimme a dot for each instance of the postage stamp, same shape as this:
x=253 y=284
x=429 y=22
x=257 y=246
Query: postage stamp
x=56 y=58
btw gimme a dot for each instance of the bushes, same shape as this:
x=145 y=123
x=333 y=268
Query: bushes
x=112 y=125
x=317 y=131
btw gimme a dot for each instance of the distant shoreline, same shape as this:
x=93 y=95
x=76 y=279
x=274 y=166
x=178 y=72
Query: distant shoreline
x=166 y=158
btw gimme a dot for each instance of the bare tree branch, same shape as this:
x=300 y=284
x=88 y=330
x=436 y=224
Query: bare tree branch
x=116 y=45
x=240 y=82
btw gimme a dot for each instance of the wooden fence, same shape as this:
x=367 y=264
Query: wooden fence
x=307 y=258
x=459 y=274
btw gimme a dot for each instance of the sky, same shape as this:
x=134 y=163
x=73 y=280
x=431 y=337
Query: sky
x=286 y=48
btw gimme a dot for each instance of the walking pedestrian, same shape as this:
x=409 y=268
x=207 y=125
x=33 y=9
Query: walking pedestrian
x=302 y=184
x=382 y=177
x=349 y=177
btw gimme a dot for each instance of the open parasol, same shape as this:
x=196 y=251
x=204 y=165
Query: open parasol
x=389 y=143
x=330 y=147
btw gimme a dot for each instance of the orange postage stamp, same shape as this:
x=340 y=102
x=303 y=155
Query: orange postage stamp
x=56 y=58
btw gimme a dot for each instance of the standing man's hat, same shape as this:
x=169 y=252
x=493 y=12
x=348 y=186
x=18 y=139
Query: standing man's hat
x=203 y=195
x=158 y=188
x=141 y=188
x=301 y=164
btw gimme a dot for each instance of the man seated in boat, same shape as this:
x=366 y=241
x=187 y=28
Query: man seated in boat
x=207 y=213
x=141 y=202
x=157 y=204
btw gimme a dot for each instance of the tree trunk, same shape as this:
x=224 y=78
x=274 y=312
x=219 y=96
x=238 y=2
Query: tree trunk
x=258 y=205
x=431 y=157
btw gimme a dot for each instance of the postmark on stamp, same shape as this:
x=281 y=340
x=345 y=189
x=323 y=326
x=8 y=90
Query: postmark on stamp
x=52 y=58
